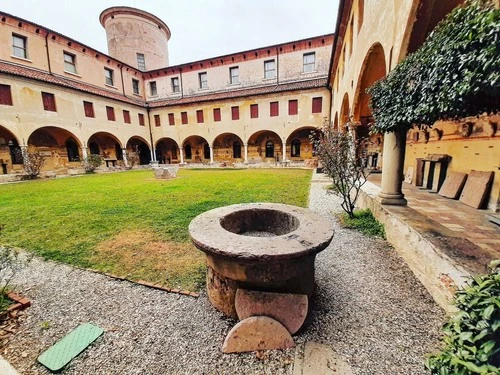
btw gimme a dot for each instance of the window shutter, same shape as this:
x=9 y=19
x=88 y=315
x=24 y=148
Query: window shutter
x=184 y=117
x=293 y=107
x=254 y=111
x=89 y=109
x=199 y=116
x=141 y=119
x=157 y=120
x=171 y=119
x=126 y=117
x=110 y=111
x=275 y=109
x=5 y=95
x=216 y=114
x=317 y=105
x=235 y=113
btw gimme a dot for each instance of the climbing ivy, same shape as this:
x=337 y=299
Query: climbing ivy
x=455 y=73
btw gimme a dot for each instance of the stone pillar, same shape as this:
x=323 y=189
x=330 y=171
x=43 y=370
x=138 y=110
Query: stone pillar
x=181 y=153
x=284 y=151
x=211 y=154
x=245 y=145
x=124 y=155
x=84 y=152
x=392 y=171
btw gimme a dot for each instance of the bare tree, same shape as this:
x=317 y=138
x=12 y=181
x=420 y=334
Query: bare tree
x=32 y=164
x=340 y=156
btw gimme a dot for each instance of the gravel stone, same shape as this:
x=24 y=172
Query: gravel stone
x=368 y=307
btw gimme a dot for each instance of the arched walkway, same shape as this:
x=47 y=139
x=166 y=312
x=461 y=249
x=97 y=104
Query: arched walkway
x=228 y=147
x=299 y=145
x=167 y=151
x=373 y=69
x=344 y=112
x=138 y=151
x=105 y=145
x=61 y=148
x=10 y=152
x=196 y=149
x=265 y=145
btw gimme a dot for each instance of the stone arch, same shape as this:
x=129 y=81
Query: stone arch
x=344 y=112
x=298 y=143
x=361 y=13
x=227 y=147
x=106 y=145
x=138 y=151
x=197 y=146
x=424 y=16
x=167 y=151
x=336 y=121
x=259 y=146
x=372 y=69
x=51 y=141
x=10 y=152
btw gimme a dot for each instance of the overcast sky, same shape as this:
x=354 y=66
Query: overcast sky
x=200 y=28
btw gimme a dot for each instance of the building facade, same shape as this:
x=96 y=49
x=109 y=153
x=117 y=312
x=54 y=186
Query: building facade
x=67 y=100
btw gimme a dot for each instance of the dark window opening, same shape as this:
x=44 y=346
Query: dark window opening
x=295 y=152
x=269 y=149
x=206 y=151
x=72 y=150
x=236 y=150
x=118 y=152
x=94 y=148
x=187 y=151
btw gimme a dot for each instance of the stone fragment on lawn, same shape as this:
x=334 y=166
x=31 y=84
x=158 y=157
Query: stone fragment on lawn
x=166 y=172
x=257 y=333
x=288 y=309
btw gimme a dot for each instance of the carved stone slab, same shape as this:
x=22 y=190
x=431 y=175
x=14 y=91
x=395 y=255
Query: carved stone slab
x=453 y=185
x=288 y=309
x=257 y=333
x=476 y=188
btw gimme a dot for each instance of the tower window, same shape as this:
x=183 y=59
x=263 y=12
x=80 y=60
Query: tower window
x=175 y=85
x=108 y=74
x=141 y=62
x=309 y=62
x=19 y=46
x=234 y=75
x=269 y=69
x=152 y=88
x=69 y=63
x=135 y=86
x=203 y=78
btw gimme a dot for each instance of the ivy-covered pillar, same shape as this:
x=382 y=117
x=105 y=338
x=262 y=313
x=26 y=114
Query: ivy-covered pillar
x=392 y=169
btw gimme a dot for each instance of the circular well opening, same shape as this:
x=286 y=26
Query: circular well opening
x=260 y=222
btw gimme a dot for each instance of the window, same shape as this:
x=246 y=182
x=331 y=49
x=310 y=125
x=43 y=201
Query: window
x=295 y=148
x=269 y=69
x=236 y=150
x=274 y=109
x=235 y=113
x=309 y=62
x=5 y=95
x=216 y=114
x=206 y=151
x=69 y=63
x=110 y=111
x=171 y=119
x=175 y=85
x=152 y=88
x=203 y=78
x=254 y=111
x=126 y=117
x=234 y=75
x=135 y=86
x=187 y=150
x=157 y=120
x=317 y=105
x=141 y=119
x=141 y=62
x=49 y=101
x=108 y=75
x=184 y=117
x=88 y=108
x=293 y=107
x=269 y=149
x=199 y=116
x=19 y=46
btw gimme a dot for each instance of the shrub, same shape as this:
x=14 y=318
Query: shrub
x=455 y=74
x=365 y=222
x=90 y=163
x=339 y=154
x=32 y=164
x=472 y=336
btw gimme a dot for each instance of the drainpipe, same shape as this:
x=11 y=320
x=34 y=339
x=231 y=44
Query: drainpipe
x=121 y=75
x=277 y=66
x=182 y=86
x=48 y=53
x=153 y=152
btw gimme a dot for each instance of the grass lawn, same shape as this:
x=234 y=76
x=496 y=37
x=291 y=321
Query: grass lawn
x=131 y=224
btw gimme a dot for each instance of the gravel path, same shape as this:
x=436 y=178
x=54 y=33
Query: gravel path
x=369 y=308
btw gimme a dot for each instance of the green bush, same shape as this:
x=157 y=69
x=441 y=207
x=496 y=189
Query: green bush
x=90 y=163
x=455 y=74
x=472 y=336
x=365 y=222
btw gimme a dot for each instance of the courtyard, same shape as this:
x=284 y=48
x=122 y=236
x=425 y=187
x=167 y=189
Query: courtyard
x=368 y=307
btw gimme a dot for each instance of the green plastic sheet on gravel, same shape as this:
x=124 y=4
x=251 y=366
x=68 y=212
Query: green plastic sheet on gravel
x=75 y=342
